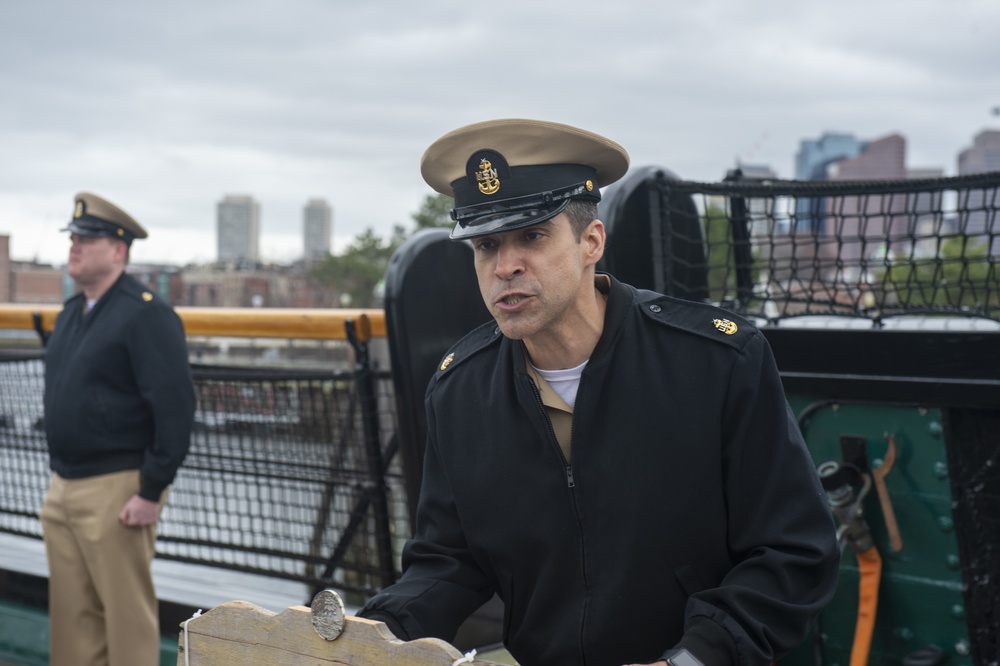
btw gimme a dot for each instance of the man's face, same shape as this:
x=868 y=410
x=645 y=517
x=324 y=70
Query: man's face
x=93 y=258
x=533 y=280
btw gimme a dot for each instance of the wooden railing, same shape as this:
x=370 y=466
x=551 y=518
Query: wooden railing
x=306 y=323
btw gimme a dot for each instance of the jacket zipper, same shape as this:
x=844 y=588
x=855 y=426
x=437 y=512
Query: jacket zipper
x=570 y=482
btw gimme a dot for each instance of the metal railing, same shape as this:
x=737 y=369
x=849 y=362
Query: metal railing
x=291 y=472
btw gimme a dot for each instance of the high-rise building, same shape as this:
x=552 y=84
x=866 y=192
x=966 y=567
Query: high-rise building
x=812 y=162
x=975 y=218
x=238 y=227
x=864 y=225
x=983 y=155
x=881 y=159
x=815 y=155
x=317 y=228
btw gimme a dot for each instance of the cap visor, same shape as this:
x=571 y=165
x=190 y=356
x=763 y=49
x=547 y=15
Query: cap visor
x=495 y=223
x=85 y=231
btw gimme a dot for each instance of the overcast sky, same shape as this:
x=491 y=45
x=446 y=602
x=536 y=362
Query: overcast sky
x=166 y=107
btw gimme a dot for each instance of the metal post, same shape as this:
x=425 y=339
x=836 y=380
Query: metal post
x=742 y=253
x=365 y=386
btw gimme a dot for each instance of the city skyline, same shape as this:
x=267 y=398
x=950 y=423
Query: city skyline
x=831 y=155
x=338 y=101
x=238 y=277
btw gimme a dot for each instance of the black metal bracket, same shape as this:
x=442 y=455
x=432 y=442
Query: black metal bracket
x=36 y=321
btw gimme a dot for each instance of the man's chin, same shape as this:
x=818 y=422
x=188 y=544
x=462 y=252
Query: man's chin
x=511 y=331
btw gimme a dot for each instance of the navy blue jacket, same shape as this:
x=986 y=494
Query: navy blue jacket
x=118 y=389
x=691 y=514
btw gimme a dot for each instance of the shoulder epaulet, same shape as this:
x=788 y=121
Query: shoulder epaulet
x=137 y=290
x=474 y=342
x=703 y=319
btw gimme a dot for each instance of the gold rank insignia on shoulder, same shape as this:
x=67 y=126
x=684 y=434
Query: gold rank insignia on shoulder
x=447 y=361
x=725 y=326
x=146 y=296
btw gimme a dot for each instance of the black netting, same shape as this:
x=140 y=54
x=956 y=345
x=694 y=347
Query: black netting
x=777 y=249
x=24 y=458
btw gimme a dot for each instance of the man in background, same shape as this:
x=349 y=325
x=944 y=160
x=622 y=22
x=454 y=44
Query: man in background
x=119 y=409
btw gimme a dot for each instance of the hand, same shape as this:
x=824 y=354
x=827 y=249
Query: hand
x=139 y=512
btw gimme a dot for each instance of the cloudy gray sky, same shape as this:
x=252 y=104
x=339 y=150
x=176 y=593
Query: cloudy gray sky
x=166 y=107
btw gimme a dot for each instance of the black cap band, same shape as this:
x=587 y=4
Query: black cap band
x=494 y=196
x=540 y=201
x=88 y=225
x=526 y=181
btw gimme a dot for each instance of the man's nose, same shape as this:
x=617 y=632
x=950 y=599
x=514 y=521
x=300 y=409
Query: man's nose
x=509 y=262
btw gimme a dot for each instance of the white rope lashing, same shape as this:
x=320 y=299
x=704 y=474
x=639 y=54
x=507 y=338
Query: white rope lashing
x=187 y=653
x=467 y=659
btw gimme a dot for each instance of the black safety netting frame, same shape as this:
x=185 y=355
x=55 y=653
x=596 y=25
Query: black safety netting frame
x=778 y=249
x=974 y=473
x=291 y=473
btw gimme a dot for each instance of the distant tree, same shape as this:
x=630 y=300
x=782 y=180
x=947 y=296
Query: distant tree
x=960 y=276
x=434 y=212
x=719 y=254
x=720 y=257
x=356 y=271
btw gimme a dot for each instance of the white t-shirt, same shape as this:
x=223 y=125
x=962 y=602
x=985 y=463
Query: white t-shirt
x=564 y=382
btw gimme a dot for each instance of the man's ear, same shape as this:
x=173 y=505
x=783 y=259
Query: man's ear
x=594 y=238
x=121 y=251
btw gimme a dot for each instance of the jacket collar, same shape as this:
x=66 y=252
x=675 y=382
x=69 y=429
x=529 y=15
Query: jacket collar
x=620 y=300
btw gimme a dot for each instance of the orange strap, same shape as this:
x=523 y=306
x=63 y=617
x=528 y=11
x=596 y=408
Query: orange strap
x=870 y=569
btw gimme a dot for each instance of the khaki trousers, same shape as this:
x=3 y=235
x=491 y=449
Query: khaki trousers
x=102 y=606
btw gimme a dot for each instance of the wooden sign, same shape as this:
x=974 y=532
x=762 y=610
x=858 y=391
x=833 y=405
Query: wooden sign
x=239 y=632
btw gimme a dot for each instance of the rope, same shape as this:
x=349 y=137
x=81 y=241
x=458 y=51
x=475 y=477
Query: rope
x=467 y=659
x=187 y=653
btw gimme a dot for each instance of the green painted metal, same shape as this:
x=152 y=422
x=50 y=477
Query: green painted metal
x=24 y=637
x=920 y=595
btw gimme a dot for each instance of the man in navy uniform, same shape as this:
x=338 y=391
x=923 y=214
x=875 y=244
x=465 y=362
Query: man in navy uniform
x=119 y=409
x=621 y=467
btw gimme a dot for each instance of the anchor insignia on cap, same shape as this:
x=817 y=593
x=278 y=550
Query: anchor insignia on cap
x=79 y=209
x=487 y=177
